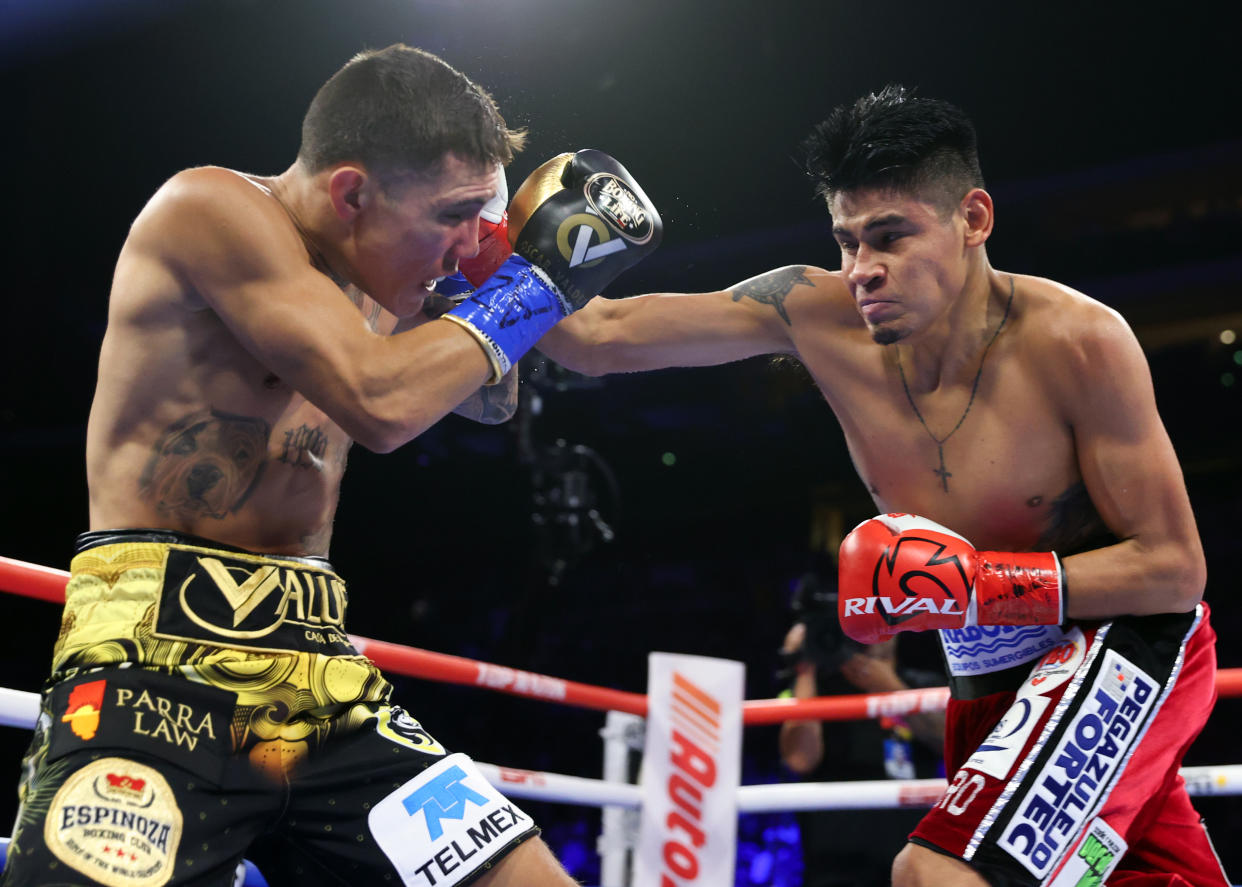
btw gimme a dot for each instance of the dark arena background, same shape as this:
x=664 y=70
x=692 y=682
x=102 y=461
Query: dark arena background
x=669 y=511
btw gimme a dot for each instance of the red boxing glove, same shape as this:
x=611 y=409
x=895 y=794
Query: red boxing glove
x=494 y=246
x=901 y=572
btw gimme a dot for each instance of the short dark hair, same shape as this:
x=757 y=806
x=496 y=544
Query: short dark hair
x=398 y=111
x=892 y=139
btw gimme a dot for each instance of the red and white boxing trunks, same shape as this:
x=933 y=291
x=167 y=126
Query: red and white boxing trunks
x=1073 y=778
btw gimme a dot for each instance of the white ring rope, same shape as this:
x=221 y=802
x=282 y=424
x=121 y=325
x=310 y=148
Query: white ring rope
x=20 y=708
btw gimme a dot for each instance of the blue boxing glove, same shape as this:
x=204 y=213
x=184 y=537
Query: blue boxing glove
x=577 y=222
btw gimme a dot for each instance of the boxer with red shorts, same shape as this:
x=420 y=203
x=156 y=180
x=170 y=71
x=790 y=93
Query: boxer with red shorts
x=1020 y=413
x=1073 y=773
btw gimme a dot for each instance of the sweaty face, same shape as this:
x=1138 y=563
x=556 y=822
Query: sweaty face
x=408 y=238
x=903 y=261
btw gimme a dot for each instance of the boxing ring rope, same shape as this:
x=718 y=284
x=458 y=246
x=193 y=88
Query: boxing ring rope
x=48 y=584
x=20 y=709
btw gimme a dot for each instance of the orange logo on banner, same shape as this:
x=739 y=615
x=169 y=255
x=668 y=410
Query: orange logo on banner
x=82 y=712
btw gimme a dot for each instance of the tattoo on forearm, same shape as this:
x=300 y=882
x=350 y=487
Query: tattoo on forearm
x=304 y=447
x=773 y=288
x=492 y=404
x=205 y=464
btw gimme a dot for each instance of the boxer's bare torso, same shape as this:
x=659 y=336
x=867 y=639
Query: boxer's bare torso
x=1009 y=408
x=189 y=430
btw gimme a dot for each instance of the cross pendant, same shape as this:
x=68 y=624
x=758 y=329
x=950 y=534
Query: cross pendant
x=941 y=471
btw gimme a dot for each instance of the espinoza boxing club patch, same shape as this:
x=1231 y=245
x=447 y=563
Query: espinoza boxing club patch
x=117 y=822
x=446 y=824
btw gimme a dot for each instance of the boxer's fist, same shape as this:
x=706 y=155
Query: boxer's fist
x=583 y=220
x=576 y=223
x=494 y=246
x=901 y=572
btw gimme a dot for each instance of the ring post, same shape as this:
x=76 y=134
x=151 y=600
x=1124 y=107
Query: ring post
x=622 y=734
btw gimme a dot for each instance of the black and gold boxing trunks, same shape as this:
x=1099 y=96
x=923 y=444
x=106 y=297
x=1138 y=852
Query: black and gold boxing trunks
x=206 y=705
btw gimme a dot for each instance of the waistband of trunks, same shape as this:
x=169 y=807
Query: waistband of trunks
x=149 y=589
x=96 y=538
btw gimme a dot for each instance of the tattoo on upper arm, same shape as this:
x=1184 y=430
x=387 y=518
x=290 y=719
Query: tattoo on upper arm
x=369 y=308
x=205 y=464
x=773 y=288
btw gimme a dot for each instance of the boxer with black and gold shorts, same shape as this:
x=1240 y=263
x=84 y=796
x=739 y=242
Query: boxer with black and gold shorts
x=206 y=705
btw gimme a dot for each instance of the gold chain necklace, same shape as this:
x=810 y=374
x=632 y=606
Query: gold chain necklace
x=942 y=472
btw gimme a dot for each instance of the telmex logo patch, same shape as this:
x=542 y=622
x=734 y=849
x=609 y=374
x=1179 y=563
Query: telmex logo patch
x=444 y=824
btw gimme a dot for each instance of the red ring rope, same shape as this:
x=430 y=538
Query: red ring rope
x=48 y=584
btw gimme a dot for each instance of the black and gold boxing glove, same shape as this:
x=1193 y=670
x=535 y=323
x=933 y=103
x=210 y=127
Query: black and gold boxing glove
x=583 y=219
x=577 y=222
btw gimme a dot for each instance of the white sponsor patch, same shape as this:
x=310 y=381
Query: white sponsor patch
x=997 y=754
x=980 y=649
x=445 y=823
x=1094 y=859
x=1057 y=665
x=1066 y=792
x=117 y=822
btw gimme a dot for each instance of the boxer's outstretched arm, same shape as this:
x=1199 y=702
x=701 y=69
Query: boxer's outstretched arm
x=660 y=330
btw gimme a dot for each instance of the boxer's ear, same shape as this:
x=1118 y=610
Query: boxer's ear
x=977 y=209
x=348 y=187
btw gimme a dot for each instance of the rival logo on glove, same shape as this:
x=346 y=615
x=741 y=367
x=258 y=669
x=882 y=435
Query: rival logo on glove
x=930 y=588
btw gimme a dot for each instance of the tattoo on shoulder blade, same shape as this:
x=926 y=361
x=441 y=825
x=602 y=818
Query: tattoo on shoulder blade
x=205 y=464
x=773 y=288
